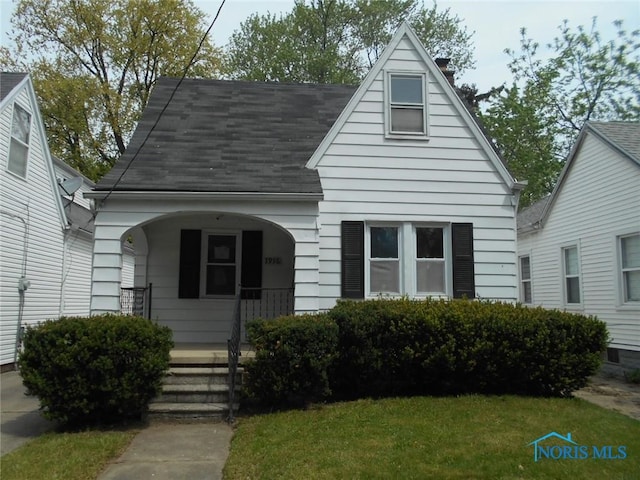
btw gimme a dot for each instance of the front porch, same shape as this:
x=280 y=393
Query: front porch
x=206 y=354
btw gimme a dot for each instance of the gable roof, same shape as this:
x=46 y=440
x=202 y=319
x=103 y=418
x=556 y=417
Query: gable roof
x=624 y=137
x=9 y=81
x=11 y=84
x=229 y=136
x=472 y=122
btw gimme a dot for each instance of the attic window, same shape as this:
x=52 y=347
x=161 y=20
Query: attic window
x=19 y=149
x=406 y=113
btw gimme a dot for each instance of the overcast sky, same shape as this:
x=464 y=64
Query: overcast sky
x=496 y=24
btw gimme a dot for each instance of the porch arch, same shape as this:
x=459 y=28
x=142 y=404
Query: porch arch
x=117 y=218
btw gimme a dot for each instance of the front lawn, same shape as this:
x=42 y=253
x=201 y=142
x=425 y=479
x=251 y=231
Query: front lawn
x=469 y=437
x=65 y=456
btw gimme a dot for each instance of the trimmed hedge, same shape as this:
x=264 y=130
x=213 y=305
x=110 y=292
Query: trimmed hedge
x=97 y=369
x=429 y=347
x=293 y=356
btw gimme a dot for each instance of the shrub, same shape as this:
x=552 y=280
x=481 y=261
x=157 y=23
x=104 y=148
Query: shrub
x=293 y=355
x=398 y=347
x=97 y=369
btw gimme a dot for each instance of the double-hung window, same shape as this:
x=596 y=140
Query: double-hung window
x=430 y=261
x=525 y=279
x=406 y=115
x=571 y=264
x=384 y=261
x=19 y=149
x=629 y=249
x=221 y=268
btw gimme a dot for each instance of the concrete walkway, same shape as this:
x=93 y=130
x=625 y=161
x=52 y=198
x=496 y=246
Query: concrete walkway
x=20 y=418
x=174 y=451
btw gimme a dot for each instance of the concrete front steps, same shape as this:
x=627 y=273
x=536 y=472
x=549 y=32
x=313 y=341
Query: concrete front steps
x=195 y=391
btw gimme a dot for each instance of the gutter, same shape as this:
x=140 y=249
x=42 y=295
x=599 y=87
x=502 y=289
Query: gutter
x=235 y=196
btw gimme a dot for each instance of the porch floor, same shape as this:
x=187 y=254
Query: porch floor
x=206 y=353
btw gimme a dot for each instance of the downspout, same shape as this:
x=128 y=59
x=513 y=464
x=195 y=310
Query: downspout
x=23 y=283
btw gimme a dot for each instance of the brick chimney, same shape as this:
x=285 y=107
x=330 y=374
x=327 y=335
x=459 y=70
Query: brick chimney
x=442 y=65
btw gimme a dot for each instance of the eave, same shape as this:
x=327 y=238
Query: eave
x=199 y=196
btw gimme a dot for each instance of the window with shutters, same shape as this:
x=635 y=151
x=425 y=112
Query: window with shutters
x=215 y=264
x=419 y=260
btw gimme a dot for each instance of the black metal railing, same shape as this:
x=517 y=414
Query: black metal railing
x=266 y=302
x=233 y=347
x=136 y=301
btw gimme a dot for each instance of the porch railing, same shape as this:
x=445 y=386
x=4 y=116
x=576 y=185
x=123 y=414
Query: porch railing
x=266 y=302
x=136 y=301
x=233 y=347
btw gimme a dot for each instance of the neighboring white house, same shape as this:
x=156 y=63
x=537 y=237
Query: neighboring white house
x=579 y=248
x=46 y=232
x=320 y=192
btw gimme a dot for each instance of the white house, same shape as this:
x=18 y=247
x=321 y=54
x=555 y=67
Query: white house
x=579 y=248
x=304 y=194
x=46 y=232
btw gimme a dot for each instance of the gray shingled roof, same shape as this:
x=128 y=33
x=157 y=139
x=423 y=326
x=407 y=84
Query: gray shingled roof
x=528 y=217
x=623 y=135
x=8 y=81
x=230 y=136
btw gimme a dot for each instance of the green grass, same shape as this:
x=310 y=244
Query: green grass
x=65 y=456
x=470 y=437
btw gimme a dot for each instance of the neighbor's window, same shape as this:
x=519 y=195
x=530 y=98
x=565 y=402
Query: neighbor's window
x=19 y=149
x=430 y=260
x=384 y=262
x=221 y=269
x=630 y=263
x=407 y=104
x=571 y=274
x=525 y=279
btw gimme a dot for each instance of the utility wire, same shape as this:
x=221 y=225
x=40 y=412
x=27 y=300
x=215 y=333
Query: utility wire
x=155 y=124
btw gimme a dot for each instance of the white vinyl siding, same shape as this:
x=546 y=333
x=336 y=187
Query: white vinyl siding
x=597 y=204
x=31 y=234
x=368 y=177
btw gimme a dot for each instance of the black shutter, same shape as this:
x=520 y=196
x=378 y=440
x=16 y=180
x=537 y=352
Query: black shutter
x=463 y=270
x=352 y=260
x=251 y=270
x=189 y=279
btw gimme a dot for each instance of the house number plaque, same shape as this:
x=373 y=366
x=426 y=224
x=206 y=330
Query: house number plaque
x=273 y=260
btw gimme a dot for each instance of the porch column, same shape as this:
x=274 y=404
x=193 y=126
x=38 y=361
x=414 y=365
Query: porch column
x=307 y=270
x=107 y=267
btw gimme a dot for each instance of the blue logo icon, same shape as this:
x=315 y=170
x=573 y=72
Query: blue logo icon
x=572 y=450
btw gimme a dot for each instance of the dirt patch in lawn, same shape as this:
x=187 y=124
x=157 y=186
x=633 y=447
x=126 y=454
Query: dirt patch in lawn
x=614 y=394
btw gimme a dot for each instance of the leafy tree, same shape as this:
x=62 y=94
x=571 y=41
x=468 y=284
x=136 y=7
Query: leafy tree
x=94 y=63
x=535 y=121
x=337 y=41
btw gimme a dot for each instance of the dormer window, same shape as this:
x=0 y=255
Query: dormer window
x=406 y=113
x=19 y=149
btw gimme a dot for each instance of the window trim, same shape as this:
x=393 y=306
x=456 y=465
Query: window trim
x=565 y=298
x=388 y=105
x=633 y=304
x=523 y=280
x=21 y=143
x=204 y=263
